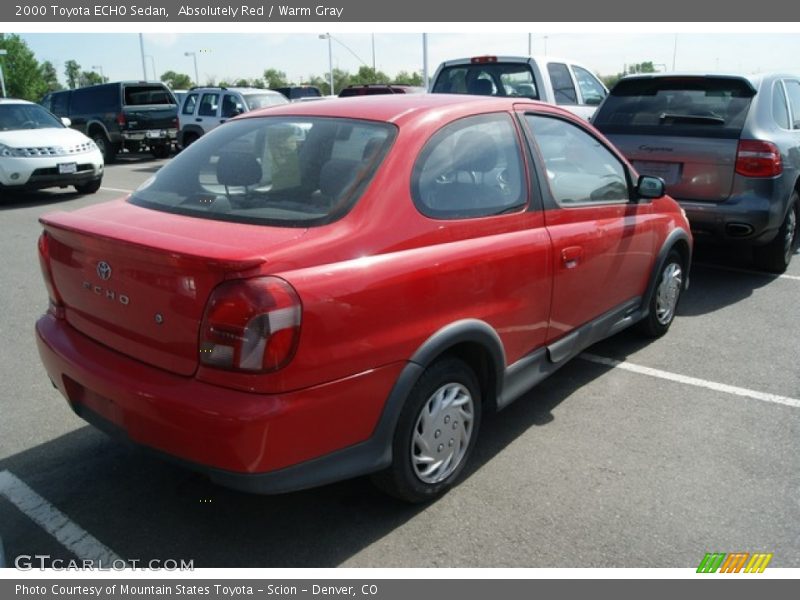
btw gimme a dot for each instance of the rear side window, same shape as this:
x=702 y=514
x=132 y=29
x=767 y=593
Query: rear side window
x=208 y=105
x=563 y=88
x=255 y=101
x=579 y=168
x=793 y=91
x=189 y=104
x=283 y=171
x=231 y=106
x=487 y=79
x=470 y=168
x=713 y=107
x=95 y=100
x=592 y=90
x=780 y=112
x=139 y=95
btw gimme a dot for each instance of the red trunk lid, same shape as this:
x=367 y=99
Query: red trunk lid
x=137 y=280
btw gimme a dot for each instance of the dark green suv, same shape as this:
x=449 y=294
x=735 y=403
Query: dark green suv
x=134 y=115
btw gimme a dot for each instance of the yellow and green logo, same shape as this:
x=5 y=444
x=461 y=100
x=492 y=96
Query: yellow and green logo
x=736 y=562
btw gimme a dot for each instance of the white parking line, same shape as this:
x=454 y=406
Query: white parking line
x=53 y=521
x=748 y=271
x=703 y=383
x=108 y=189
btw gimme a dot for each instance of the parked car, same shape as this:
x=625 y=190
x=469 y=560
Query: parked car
x=728 y=148
x=297 y=93
x=208 y=107
x=554 y=80
x=38 y=150
x=320 y=291
x=376 y=89
x=130 y=115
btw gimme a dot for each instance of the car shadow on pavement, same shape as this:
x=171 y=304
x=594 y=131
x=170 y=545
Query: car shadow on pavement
x=16 y=200
x=145 y=508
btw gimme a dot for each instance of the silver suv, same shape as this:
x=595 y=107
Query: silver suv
x=728 y=148
x=205 y=108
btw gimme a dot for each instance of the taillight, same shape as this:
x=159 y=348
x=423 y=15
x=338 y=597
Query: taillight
x=55 y=306
x=121 y=119
x=251 y=325
x=755 y=158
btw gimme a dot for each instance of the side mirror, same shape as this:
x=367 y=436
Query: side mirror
x=66 y=121
x=650 y=187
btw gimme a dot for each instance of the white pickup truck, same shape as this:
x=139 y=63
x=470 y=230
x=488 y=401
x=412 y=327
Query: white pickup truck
x=553 y=80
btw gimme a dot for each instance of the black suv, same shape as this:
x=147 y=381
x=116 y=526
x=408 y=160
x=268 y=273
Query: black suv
x=128 y=114
x=295 y=93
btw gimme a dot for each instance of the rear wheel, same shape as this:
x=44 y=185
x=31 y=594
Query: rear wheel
x=435 y=434
x=161 y=151
x=664 y=302
x=189 y=139
x=89 y=187
x=777 y=255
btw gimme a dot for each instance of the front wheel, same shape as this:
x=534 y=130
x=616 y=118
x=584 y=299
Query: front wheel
x=777 y=255
x=105 y=146
x=664 y=302
x=89 y=187
x=435 y=434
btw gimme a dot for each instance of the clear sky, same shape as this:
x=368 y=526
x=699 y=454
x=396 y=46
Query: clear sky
x=235 y=55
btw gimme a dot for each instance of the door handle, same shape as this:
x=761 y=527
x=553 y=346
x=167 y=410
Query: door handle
x=198 y=119
x=572 y=256
x=222 y=120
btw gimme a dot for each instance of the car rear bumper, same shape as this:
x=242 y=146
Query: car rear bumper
x=265 y=443
x=746 y=219
x=151 y=136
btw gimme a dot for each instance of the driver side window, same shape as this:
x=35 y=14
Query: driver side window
x=579 y=168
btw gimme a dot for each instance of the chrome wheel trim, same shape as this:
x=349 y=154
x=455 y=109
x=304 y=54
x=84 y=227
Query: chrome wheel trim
x=668 y=292
x=791 y=233
x=442 y=433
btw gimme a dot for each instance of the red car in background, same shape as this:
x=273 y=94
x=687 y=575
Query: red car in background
x=326 y=290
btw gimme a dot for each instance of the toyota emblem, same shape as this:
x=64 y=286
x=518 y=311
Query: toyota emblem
x=104 y=270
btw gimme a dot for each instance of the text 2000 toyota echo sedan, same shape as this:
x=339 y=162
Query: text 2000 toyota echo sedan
x=324 y=290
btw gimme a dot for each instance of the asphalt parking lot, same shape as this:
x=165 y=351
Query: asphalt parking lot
x=638 y=454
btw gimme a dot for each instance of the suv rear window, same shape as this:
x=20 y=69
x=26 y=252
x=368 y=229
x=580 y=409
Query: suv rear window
x=284 y=171
x=713 y=107
x=487 y=79
x=137 y=95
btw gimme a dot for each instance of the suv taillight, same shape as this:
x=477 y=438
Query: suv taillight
x=251 y=325
x=755 y=158
x=121 y=119
x=56 y=305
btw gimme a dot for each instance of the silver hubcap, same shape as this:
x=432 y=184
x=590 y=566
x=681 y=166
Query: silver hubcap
x=791 y=230
x=442 y=433
x=668 y=292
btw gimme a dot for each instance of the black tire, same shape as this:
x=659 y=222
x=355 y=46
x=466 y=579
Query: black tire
x=403 y=479
x=161 y=151
x=89 y=187
x=189 y=138
x=670 y=283
x=105 y=146
x=776 y=256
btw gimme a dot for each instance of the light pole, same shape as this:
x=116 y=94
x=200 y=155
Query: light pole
x=100 y=68
x=153 y=63
x=2 y=77
x=328 y=36
x=425 y=81
x=530 y=45
x=373 y=53
x=141 y=50
x=545 y=45
x=196 y=75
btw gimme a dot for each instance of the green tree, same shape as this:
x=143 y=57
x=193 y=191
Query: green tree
x=87 y=78
x=610 y=80
x=21 y=69
x=72 y=71
x=49 y=76
x=367 y=74
x=176 y=81
x=258 y=83
x=275 y=78
x=642 y=67
x=242 y=82
x=406 y=78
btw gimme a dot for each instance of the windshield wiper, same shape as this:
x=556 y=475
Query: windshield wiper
x=673 y=117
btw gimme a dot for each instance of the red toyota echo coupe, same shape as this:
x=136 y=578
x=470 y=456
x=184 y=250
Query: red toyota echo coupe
x=325 y=290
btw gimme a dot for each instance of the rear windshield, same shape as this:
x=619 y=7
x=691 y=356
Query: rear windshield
x=682 y=106
x=136 y=95
x=289 y=172
x=255 y=101
x=487 y=79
